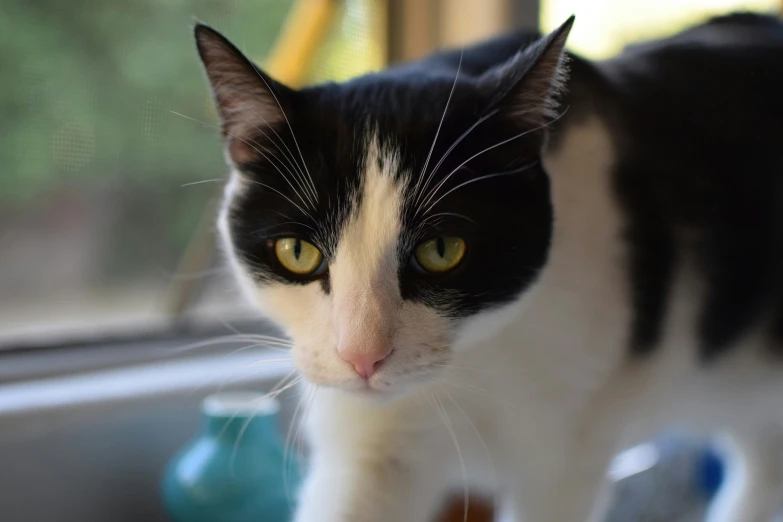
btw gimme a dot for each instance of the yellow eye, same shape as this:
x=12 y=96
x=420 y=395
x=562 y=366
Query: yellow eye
x=440 y=254
x=297 y=256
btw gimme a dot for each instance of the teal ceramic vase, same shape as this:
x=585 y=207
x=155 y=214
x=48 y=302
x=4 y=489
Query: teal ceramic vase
x=233 y=471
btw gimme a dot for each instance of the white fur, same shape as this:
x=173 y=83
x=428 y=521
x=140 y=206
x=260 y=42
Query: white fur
x=539 y=394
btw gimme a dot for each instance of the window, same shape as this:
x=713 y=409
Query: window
x=104 y=185
x=603 y=27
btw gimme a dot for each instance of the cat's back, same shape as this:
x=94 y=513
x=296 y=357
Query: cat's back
x=725 y=72
x=697 y=122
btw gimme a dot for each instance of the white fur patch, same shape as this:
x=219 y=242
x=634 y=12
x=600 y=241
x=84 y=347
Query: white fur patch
x=363 y=275
x=537 y=398
x=364 y=311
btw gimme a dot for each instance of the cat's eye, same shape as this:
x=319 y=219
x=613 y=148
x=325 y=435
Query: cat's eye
x=440 y=254
x=298 y=256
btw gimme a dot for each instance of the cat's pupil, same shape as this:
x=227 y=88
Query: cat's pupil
x=441 y=245
x=298 y=249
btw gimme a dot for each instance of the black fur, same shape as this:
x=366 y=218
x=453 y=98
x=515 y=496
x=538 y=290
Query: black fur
x=505 y=220
x=699 y=121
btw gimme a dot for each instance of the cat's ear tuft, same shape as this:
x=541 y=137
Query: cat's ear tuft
x=245 y=97
x=530 y=85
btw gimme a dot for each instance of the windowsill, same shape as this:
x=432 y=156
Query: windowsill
x=112 y=386
x=67 y=353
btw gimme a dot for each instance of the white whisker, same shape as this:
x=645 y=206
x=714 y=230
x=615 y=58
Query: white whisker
x=300 y=428
x=291 y=160
x=478 y=434
x=437 y=132
x=434 y=191
x=458 y=140
x=299 y=176
x=288 y=441
x=200 y=182
x=273 y=341
x=450 y=428
x=283 y=196
x=246 y=424
x=255 y=146
x=304 y=164
x=258 y=399
x=488 y=176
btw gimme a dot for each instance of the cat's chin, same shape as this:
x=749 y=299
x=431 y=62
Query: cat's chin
x=377 y=391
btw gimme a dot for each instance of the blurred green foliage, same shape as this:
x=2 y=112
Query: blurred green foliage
x=86 y=98
x=88 y=86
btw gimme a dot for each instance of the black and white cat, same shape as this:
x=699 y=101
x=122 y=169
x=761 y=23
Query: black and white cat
x=459 y=263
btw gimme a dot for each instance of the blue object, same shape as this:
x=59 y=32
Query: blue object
x=710 y=472
x=233 y=470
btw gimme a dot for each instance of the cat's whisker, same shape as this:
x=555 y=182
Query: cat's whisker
x=184 y=276
x=453 y=214
x=296 y=191
x=437 y=133
x=230 y=339
x=246 y=424
x=260 y=337
x=273 y=390
x=303 y=421
x=269 y=343
x=437 y=187
x=296 y=173
x=473 y=389
x=288 y=440
x=256 y=337
x=458 y=140
x=450 y=428
x=474 y=180
x=248 y=374
x=296 y=222
x=223 y=382
x=284 y=197
x=290 y=157
x=234 y=416
x=293 y=136
x=264 y=230
x=469 y=368
x=483 y=442
x=200 y=182
x=268 y=361
x=255 y=147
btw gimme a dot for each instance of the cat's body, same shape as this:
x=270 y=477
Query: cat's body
x=635 y=288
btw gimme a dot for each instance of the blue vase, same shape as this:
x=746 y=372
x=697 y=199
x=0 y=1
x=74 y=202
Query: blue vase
x=233 y=471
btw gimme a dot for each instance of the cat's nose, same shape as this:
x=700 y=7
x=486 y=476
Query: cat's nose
x=365 y=362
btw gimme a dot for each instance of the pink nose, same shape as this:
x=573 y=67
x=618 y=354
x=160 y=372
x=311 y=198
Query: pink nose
x=365 y=363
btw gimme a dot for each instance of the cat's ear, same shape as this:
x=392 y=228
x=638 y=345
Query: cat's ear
x=246 y=98
x=529 y=85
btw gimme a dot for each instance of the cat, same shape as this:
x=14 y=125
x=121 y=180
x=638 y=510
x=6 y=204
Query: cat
x=495 y=280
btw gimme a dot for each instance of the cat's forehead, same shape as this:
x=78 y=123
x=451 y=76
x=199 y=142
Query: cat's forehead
x=399 y=109
x=424 y=136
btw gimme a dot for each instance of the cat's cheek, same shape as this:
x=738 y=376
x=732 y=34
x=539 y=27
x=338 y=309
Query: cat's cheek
x=422 y=344
x=303 y=311
x=480 y=326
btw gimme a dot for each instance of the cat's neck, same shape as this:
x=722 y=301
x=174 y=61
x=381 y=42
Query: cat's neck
x=579 y=304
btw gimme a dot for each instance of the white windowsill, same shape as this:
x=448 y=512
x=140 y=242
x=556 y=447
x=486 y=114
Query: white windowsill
x=111 y=386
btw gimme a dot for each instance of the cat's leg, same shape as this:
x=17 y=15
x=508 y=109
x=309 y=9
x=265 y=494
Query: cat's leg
x=753 y=488
x=371 y=464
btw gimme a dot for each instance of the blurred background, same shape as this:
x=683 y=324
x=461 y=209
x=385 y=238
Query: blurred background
x=108 y=189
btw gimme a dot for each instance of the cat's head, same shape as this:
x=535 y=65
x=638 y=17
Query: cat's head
x=384 y=221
